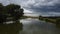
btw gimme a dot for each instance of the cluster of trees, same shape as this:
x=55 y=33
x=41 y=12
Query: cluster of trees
x=12 y=10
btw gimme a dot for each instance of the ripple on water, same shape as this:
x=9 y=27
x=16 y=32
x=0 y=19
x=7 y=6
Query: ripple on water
x=35 y=26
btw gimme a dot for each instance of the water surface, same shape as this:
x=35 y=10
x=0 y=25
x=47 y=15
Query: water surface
x=29 y=26
x=35 y=26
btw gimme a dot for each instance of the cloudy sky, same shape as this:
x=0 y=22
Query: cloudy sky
x=38 y=7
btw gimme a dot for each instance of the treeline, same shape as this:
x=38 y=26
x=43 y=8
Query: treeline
x=55 y=20
x=12 y=10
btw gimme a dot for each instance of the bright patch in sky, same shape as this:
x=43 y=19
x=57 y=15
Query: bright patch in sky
x=27 y=11
x=30 y=13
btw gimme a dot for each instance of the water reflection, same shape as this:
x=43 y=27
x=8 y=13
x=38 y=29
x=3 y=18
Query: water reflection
x=13 y=28
x=35 y=26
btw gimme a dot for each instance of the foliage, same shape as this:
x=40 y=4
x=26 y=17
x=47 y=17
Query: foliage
x=13 y=10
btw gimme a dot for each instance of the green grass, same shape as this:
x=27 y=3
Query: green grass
x=56 y=20
x=12 y=28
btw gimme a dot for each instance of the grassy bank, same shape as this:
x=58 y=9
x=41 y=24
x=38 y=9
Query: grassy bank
x=12 y=28
x=55 y=20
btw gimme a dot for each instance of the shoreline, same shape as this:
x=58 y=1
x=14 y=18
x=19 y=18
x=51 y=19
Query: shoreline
x=54 y=20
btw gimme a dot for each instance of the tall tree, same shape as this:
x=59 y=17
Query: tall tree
x=1 y=7
x=15 y=11
x=2 y=15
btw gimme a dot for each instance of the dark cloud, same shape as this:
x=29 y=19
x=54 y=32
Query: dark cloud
x=45 y=7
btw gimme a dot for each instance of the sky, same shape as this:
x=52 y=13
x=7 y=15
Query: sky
x=38 y=7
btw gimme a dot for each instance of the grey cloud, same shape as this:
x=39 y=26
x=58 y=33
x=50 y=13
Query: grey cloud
x=37 y=6
x=45 y=7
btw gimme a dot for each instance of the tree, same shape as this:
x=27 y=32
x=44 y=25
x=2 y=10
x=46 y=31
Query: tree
x=2 y=15
x=13 y=10
x=1 y=8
